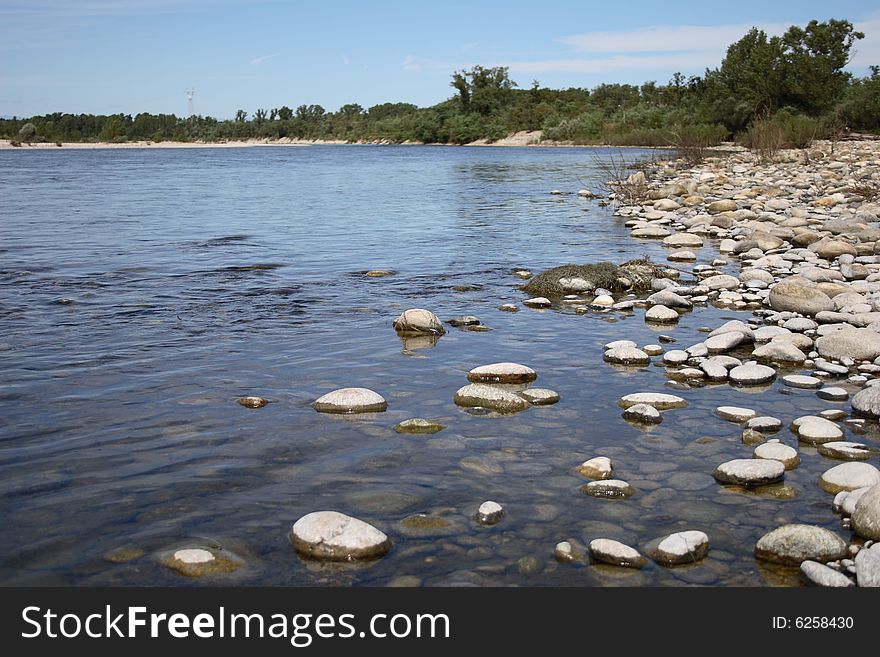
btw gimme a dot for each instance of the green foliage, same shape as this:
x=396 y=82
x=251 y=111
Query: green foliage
x=27 y=133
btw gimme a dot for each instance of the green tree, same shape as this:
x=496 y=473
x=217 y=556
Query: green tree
x=482 y=90
x=240 y=116
x=27 y=133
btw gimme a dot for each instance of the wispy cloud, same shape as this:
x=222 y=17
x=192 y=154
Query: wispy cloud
x=263 y=58
x=418 y=64
x=345 y=59
x=473 y=45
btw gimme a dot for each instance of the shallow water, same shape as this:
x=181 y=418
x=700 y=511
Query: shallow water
x=143 y=292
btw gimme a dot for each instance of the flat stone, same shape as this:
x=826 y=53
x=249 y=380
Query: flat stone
x=849 y=476
x=490 y=513
x=616 y=553
x=765 y=424
x=333 y=536
x=418 y=321
x=596 y=468
x=793 y=544
x=508 y=307
x=866 y=402
x=714 y=370
x=627 y=356
x=856 y=343
x=799 y=295
x=643 y=413
x=653 y=349
x=537 y=302
x=659 y=400
x=735 y=413
x=620 y=343
x=502 y=373
x=833 y=394
x=675 y=357
x=736 y=326
x=418 y=425
x=749 y=472
x=682 y=256
x=776 y=451
x=724 y=205
x=866 y=515
x=847 y=451
x=752 y=374
x=819 y=574
x=779 y=351
x=253 y=401
x=816 y=430
x=679 y=548
x=669 y=299
x=721 y=282
x=464 y=320
x=351 y=400
x=540 y=396
x=802 y=381
x=609 y=488
x=723 y=342
x=481 y=395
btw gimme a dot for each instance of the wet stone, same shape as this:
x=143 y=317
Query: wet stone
x=847 y=451
x=565 y=552
x=816 y=430
x=199 y=562
x=802 y=381
x=540 y=396
x=490 y=513
x=659 y=400
x=464 y=320
x=480 y=395
x=351 y=400
x=749 y=472
x=765 y=424
x=833 y=394
x=615 y=553
x=627 y=356
x=848 y=477
x=776 y=451
x=502 y=373
x=253 y=402
x=124 y=555
x=609 y=488
x=508 y=307
x=679 y=548
x=819 y=574
x=793 y=544
x=596 y=468
x=418 y=321
x=642 y=413
x=537 y=302
x=734 y=413
x=333 y=536
x=418 y=425
x=752 y=374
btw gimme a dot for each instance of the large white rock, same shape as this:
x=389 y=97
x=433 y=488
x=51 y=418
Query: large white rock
x=735 y=413
x=418 y=321
x=749 y=374
x=776 y=451
x=867 y=563
x=723 y=342
x=502 y=373
x=799 y=295
x=627 y=356
x=779 y=351
x=794 y=544
x=721 y=282
x=679 y=548
x=683 y=239
x=351 y=400
x=334 y=536
x=867 y=402
x=643 y=413
x=660 y=314
x=596 y=468
x=821 y=575
x=669 y=299
x=849 y=476
x=816 y=430
x=856 y=343
x=847 y=451
x=866 y=515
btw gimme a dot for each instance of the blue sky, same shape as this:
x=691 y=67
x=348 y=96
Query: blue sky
x=107 y=56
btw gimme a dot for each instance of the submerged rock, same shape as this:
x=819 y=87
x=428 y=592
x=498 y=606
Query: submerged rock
x=253 y=401
x=611 y=488
x=199 y=562
x=540 y=396
x=490 y=513
x=418 y=425
x=351 y=400
x=644 y=413
x=333 y=536
x=659 y=400
x=596 y=468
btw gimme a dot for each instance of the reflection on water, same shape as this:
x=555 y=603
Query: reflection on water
x=198 y=277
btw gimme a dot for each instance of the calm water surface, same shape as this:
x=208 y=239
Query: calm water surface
x=143 y=291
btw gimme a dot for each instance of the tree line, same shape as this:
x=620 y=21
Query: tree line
x=796 y=81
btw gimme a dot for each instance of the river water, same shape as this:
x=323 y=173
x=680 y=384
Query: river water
x=142 y=292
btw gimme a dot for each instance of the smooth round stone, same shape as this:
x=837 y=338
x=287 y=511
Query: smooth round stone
x=616 y=553
x=653 y=349
x=333 y=536
x=682 y=239
x=490 y=513
x=831 y=368
x=643 y=413
x=418 y=425
x=675 y=357
x=867 y=564
x=846 y=451
x=799 y=324
x=379 y=273
x=565 y=552
x=610 y=488
x=502 y=373
x=819 y=574
x=775 y=451
x=464 y=320
x=749 y=472
x=351 y=400
x=193 y=556
x=627 y=356
x=603 y=301
x=866 y=515
x=508 y=307
x=596 y=468
x=849 y=477
x=793 y=544
x=253 y=401
x=764 y=423
x=198 y=562
x=480 y=395
x=682 y=256
x=779 y=351
x=857 y=343
x=620 y=343
x=867 y=402
x=659 y=400
x=802 y=381
x=833 y=394
x=523 y=273
x=661 y=315
x=418 y=321
x=735 y=413
x=816 y=430
x=833 y=414
x=750 y=374
x=540 y=396
x=679 y=548
x=723 y=341
x=537 y=302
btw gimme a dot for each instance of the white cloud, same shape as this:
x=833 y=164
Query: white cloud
x=867 y=51
x=345 y=59
x=263 y=58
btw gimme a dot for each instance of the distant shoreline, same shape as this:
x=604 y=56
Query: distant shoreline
x=519 y=139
